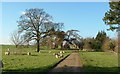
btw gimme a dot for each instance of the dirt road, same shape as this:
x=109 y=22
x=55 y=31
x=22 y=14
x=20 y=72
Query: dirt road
x=71 y=64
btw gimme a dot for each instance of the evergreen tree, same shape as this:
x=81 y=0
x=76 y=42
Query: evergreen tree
x=101 y=36
x=112 y=17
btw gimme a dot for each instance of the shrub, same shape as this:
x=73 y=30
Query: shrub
x=105 y=45
x=96 y=45
x=87 y=43
x=109 y=44
x=112 y=45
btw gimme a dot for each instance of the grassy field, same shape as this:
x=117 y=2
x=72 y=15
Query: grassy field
x=44 y=61
x=99 y=61
x=36 y=62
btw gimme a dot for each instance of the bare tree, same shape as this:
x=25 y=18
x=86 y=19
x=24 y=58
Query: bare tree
x=37 y=22
x=17 y=39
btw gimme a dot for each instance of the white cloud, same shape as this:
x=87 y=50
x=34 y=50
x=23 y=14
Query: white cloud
x=22 y=12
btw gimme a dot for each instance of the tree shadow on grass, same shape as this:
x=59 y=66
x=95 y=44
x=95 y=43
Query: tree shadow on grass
x=100 y=69
x=42 y=70
x=66 y=70
x=85 y=70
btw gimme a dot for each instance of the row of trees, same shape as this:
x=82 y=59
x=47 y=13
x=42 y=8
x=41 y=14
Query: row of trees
x=100 y=43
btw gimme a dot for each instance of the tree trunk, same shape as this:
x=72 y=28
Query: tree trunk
x=38 y=45
x=27 y=44
x=38 y=42
x=16 y=46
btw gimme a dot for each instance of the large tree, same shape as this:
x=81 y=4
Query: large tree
x=36 y=22
x=112 y=17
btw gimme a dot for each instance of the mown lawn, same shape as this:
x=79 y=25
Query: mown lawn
x=99 y=61
x=36 y=62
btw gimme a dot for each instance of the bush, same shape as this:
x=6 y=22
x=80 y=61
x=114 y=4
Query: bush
x=105 y=45
x=91 y=43
x=109 y=45
x=97 y=45
x=117 y=43
x=87 y=43
x=112 y=46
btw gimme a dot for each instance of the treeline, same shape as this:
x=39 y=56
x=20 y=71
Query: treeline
x=100 y=43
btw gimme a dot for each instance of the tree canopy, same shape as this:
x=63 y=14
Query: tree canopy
x=112 y=17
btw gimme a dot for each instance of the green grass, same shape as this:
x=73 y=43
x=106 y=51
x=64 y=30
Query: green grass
x=36 y=62
x=44 y=61
x=99 y=61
